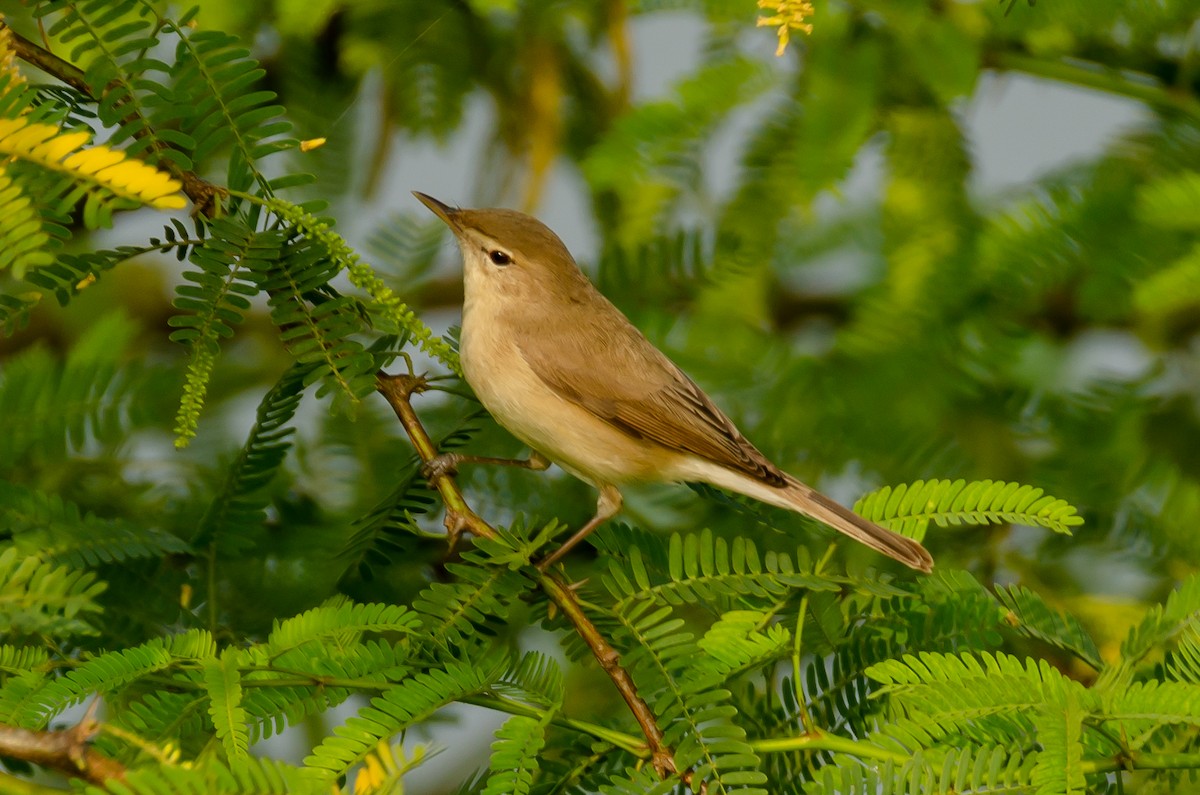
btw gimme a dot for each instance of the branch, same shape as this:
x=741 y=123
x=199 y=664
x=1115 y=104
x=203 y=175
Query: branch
x=626 y=742
x=68 y=750
x=1134 y=760
x=398 y=391
x=202 y=193
x=818 y=740
x=1080 y=72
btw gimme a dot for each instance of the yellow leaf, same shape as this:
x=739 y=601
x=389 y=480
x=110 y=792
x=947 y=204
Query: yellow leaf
x=107 y=168
x=91 y=161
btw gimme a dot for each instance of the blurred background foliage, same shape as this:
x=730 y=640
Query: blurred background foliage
x=1045 y=332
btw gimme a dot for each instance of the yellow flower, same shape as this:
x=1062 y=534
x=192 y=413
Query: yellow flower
x=789 y=16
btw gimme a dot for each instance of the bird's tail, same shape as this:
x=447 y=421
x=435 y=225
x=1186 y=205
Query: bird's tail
x=799 y=497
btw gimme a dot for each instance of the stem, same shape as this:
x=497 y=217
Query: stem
x=1089 y=74
x=1139 y=761
x=624 y=741
x=68 y=750
x=398 y=391
x=797 y=683
x=818 y=740
x=610 y=661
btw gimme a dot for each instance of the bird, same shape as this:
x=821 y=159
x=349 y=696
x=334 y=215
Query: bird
x=568 y=374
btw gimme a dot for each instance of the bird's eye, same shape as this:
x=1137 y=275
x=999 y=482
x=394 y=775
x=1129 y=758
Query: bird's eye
x=499 y=257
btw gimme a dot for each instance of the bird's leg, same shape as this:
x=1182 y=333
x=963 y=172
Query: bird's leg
x=607 y=507
x=447 y=463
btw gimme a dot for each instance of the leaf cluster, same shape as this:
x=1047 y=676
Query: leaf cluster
x=288 y=573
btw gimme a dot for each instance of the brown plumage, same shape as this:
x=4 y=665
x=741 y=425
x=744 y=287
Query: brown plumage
x=567 y=373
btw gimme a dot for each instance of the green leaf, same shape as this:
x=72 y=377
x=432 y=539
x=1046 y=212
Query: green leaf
x=514 y=761
x=1031 y=616
x=410 y=702
x=41 y=598
x=908 y=508
x=223 y=683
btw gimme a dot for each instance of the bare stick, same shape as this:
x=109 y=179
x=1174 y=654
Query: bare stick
x=68 y=750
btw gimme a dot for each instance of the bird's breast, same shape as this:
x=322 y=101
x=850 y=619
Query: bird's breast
x=569 y=435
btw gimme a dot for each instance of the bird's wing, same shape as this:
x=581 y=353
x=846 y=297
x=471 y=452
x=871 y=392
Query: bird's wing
x=611 y=370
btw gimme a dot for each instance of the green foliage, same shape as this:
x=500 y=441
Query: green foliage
x=330 y=621
x=52 y=407
x=47 y=527
x=237 y=509
x=246 y=587
x=223 y=683
x=255 y=776
x=515 y=756
x=909 y=508
x=41 y=598
x=413 y=700
x=1030 y=614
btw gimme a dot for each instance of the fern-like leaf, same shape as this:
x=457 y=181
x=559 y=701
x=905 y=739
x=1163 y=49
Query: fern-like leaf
x=252 y=777
x=742 y=639
x=452 y=613
x=908 y=508
x=514 y=759
x=1030 y=615
x=691 y=705
x=215 y=301
x=72 y=273
x=948 y=693
x=223 y=683
x=40 y=598
x=537 y=678
x=97 y=167
x=1161 y=624
x=317 y=326
x=24 y=244
x=703 y=567
x=395 y=316
x=1059 y=768
x=215 y=106
x=15 y=311
x=640 y=781
x=238 y=508
x=1141 y=708
x=348 y=620
x=15 y=659
x=47 y=527
x=101 y=675
x=401 y=706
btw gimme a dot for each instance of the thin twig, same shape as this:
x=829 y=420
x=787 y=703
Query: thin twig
x=68 y=750
x=610 y=661
x=398 y=391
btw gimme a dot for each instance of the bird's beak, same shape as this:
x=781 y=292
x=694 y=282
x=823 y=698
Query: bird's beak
x=444 y=211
